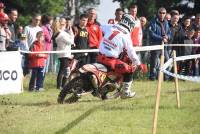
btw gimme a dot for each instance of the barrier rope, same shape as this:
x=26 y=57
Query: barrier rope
x=183 y=45
x=183 y=77
x=146 y=48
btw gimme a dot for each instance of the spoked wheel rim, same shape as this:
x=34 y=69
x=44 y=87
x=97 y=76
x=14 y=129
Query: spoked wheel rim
x=69 y=93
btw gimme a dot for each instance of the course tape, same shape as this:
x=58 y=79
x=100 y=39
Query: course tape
x=146 y=48
x=194 y=45
x=169 y=63
x=182 y=77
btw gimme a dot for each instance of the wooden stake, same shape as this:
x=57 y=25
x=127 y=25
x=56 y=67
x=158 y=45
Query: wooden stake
x=176 y=80
x=22 y=84
x=160 y=79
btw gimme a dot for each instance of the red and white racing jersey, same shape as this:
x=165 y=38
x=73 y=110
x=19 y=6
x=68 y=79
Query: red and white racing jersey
x=116 y=39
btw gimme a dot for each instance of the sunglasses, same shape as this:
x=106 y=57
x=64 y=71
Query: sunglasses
x=162 y=12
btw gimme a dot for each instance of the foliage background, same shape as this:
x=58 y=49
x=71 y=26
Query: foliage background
x=27 y=8
x=149 y=7
x=73 y=8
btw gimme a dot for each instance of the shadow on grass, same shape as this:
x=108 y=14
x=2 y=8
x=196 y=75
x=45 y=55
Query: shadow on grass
x=104 y=106
x=77 y=120
x=39 y=104
x=89 y=101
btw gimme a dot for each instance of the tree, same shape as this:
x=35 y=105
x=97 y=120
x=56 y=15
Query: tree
x=26 y=8
x=149 y=7
x=73 y=8
x=52 y=7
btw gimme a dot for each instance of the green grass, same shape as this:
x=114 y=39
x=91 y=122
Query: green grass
x=39 y=113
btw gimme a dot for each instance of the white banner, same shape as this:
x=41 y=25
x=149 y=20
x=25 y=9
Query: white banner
x=10 y=73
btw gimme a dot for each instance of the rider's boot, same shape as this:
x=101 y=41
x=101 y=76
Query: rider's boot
x=126 y=92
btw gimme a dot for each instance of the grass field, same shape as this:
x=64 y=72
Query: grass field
x=39 y=113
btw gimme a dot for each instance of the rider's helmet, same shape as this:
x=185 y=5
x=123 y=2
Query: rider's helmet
x=128 y=22
x=3 y=18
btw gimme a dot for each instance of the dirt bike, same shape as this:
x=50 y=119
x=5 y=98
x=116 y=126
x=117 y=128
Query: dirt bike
x=92 y=78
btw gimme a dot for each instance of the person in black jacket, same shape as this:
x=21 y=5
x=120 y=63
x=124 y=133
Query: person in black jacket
x=177 y=32
x=12 y=14
x=81 y=39
x=186 y=65
x=159 y=32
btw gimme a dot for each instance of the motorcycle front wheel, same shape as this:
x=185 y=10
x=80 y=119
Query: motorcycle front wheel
x=71 y=90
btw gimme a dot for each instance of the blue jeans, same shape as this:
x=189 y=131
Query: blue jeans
x=37 y=78
x=154 y=64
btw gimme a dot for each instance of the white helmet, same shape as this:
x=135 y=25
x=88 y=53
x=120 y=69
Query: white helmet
x=128 y=22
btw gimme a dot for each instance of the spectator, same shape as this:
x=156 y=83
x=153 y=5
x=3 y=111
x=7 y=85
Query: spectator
x=196 y=50
x=174 y=12
x=4 y=33
x=145 y=40
x=55 y=28
x=2 y=7
x=186 y=65
x=63 y=24
x=64 y=41
x=19 y=31
x=81 y=39
x=136 y=34
x=159 y=32
x=186 y=25
x=12 y=14
x=32 y=29
x=68 y=27
x=143 y=21
x=177 y=32
x=37 y=63
x=21 y=44
x=168 y=17
x=47 y=31
x=196 y=24
x=144 y=25
x=95 y=33
x=118 y=16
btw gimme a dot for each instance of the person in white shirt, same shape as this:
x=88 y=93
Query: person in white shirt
x=64 y=40
x=116 y=41
x=32 y=29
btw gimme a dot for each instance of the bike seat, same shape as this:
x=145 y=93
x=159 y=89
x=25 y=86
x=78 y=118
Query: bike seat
x=100 y=67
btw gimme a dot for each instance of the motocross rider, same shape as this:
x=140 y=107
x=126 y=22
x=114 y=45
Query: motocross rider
x=116 y=40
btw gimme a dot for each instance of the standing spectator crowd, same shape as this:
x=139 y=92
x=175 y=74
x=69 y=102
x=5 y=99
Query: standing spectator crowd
x=46 y=33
